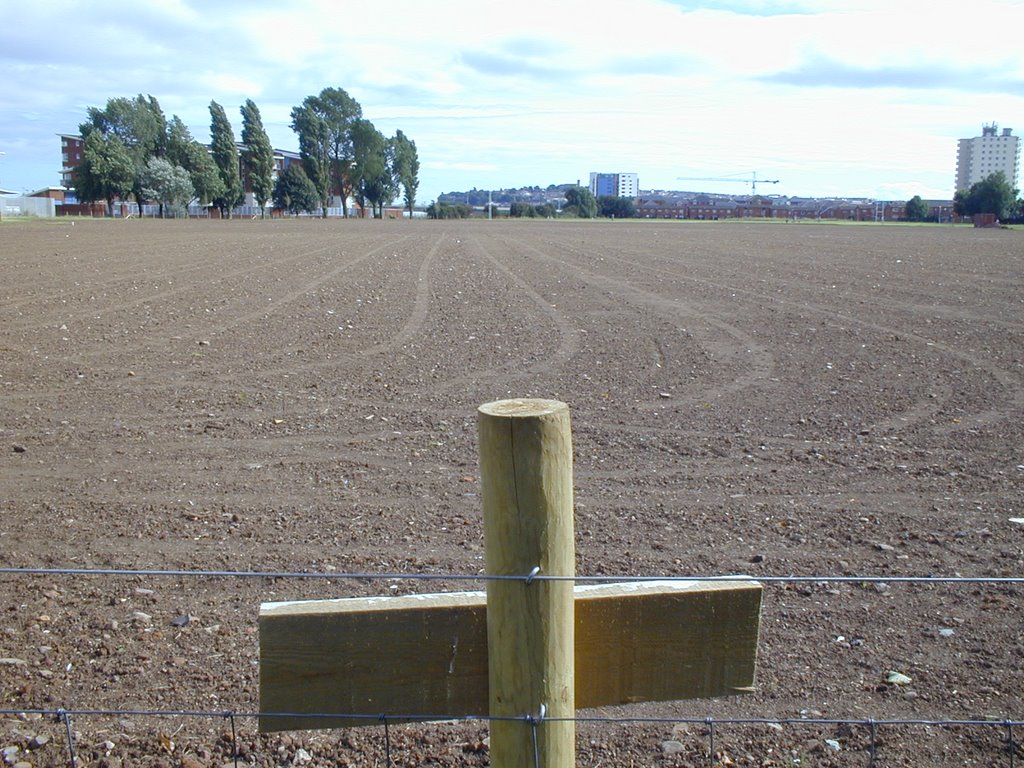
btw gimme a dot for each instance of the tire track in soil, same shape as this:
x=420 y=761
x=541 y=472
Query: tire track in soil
x=924 y=408
x=95 y=312
x=303 y=289
x=325 y=444
x=172 y=373
x=412 y=326
x=230 y=382
x=103 y=351
x=568 y=337
x=760 y=362
x=314 y=447
x=98 y=251
x=567 y=348
x=279 y=303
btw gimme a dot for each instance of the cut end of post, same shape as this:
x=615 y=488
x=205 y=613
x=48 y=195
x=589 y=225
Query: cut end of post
x=523 y=408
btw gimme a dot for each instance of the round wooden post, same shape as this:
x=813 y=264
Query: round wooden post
x=526 y=483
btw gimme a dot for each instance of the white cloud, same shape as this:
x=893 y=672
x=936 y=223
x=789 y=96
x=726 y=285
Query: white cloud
x=865 y=94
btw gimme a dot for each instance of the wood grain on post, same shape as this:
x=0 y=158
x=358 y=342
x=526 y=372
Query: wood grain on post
x=526 y=485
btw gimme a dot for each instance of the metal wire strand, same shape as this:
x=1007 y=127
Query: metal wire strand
x=530 y=577
x=387 y=741
x=711 y=741
x=234 y=738
x=66 y=719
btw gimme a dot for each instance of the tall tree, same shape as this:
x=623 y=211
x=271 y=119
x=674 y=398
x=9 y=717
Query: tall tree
x=294 y=192
x=140 y=126
x=371 y=171
x=225 y=156
x=613 y=207
x=406 y=167
x=324 y=125
x=167 y=183
x=314 y=149
x=994 y=194
x=916 y=209
x=339 y=112
x=195 y=158
x=580 y=201
x=258 y=155
x=178 y=139
x=105 y=172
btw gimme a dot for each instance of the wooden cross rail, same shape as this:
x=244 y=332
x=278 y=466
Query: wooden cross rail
x=529 y=647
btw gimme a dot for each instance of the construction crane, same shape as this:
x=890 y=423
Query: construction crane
x=753 y=180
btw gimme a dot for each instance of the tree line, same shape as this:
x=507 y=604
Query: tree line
x=579 y=202
x=131 y=150
x=993 y=194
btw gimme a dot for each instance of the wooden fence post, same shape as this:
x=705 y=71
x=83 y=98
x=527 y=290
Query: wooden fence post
x=526 y=484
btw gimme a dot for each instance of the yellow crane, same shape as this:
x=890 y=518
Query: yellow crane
x=753 y=180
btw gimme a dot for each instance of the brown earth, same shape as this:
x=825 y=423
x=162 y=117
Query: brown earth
x=300 y=396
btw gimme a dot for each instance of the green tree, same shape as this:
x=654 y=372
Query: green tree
x=258 y=156
x=916 y=209
x=440 y=210
x=140 y=126
x=195 y=158
x=371 y=174
x=519 y=210
x=225 y=157
x=314 y=148
x=324 y=126
x=340 y=112
x=613 y=207
x=204 y=172
x=406 y=168
x=993 y=194
x=168 y=184
x=295 y=192
x=105 y=172
x=580 y=202
x=178 y=139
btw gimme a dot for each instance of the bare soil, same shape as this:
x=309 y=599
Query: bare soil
x=300 y=396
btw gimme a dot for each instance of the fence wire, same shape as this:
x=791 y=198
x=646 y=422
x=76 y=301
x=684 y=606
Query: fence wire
x=535 y=723
x=67 y=716
x=533 y=575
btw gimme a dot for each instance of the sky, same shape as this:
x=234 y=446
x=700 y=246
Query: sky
x=863 y=98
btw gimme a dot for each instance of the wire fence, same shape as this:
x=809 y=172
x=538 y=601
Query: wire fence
x=712 y=726
x=1005 y=729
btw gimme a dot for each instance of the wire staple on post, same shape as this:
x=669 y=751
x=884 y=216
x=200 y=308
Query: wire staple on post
x=530 y=577
x=535 y=723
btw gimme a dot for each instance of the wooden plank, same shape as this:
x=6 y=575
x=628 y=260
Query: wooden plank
x=526 y=494
x=411 y=655
x=421 y=656
x=664 y=641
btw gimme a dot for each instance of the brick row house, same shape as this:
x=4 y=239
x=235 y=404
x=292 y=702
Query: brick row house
x=710 y=208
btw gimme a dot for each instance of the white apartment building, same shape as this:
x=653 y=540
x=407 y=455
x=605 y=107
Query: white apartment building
x=979 y=157
x=614 y=184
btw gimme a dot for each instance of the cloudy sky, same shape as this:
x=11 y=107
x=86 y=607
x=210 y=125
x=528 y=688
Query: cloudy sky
x=859 y=97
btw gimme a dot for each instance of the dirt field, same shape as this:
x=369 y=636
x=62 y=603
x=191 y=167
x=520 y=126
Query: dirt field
x=301 y=396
